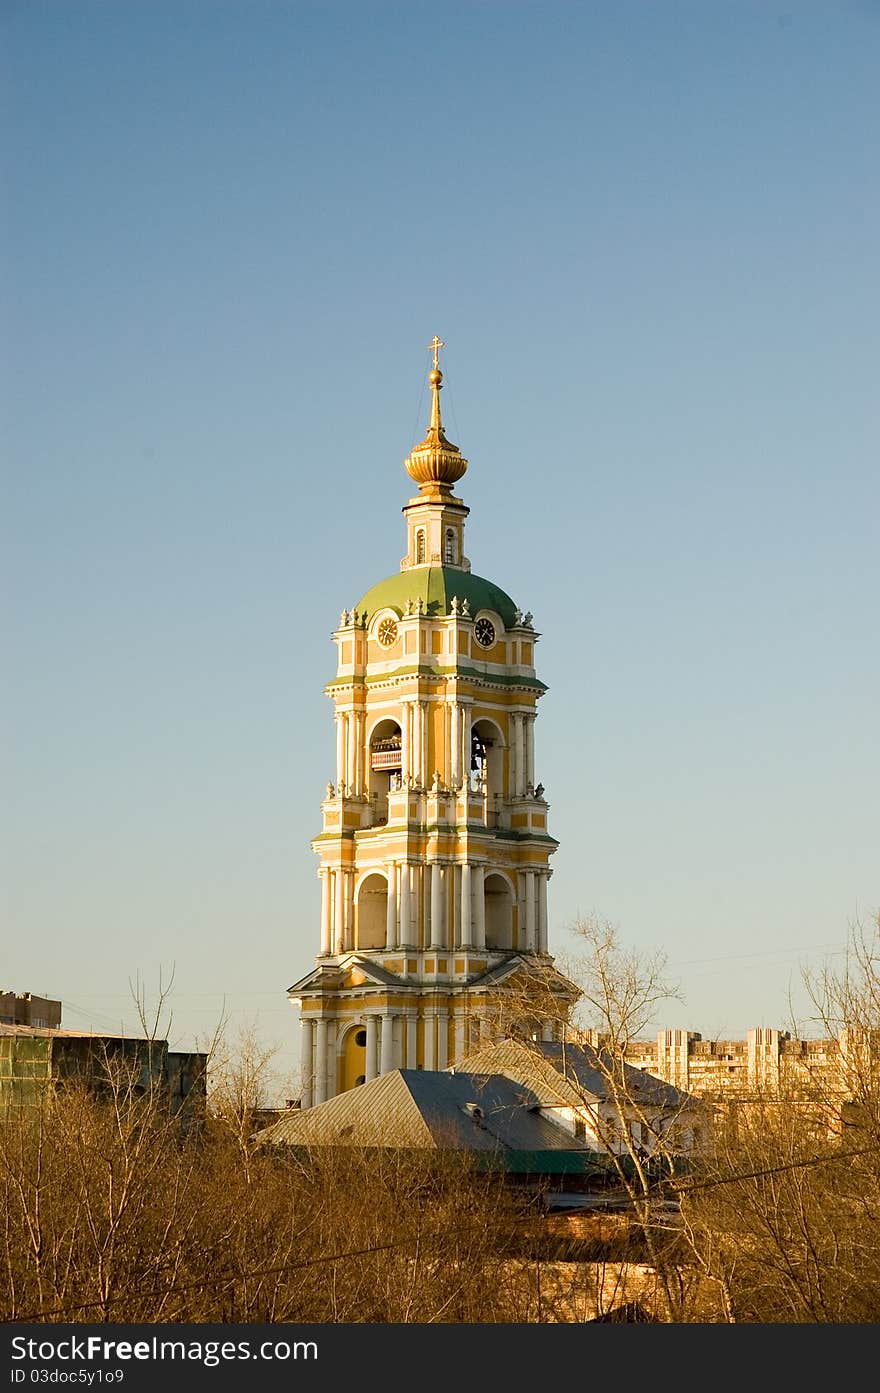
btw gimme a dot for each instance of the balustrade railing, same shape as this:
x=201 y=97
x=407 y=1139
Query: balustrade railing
x=385 y=759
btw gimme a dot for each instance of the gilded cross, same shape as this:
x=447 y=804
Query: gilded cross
x=435 y=345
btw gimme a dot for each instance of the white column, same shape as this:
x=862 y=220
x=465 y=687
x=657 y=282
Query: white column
x=320 y=1060
x=438 y=925
x=479 y=907
x=459 y=1027
x=430 y=1038
x=520 y=910
x=412 y=1040
x=387 y=1045
x=446 y=757
x=442 y=1037
x=404 y=743
x=455 y=740
x=423 y=879
x=372 y=1041
x=351 y=757
x=465 y=939
x=405 y=915
x=361 y=729
x=425 y=779
x=391 y=907
x=353 y=732
x=306 y=1064
x=542 y=913
x=332 y=1037
x=530 y=910
x=466 y=743
x=340 y=749
x=326 y=941
x=530 y=750
x=339 y=920
x=520 y=760
x=348 y=908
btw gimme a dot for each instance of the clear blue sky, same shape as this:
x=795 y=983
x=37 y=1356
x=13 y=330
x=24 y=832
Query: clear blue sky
x=648 y=234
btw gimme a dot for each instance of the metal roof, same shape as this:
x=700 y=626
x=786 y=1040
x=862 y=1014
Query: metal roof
x=490 y=1115
x=569 y=1075
x=435 y=586
x=379 y=1113
x=56 y=1032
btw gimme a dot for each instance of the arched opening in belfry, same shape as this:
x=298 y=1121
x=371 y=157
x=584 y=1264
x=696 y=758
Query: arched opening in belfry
x=487 y=759
x=449 y=548
x=499 y=912
x=386 y=754
x=370 y=912
x=420 y=547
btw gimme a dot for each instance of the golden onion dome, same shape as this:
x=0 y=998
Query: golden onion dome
x=435 y=464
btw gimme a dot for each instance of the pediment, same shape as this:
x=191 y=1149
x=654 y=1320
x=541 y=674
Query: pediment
x=352 y=970
x=520 y=971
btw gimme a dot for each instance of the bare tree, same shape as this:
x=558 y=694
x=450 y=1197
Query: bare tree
x=638 y=1122
x=785 y=1215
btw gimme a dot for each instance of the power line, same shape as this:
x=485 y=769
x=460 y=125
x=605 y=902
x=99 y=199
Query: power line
x=766 y=953
x=689 y=1187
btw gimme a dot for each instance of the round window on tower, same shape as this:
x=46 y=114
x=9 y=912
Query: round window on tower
x=484 y=632
x=387 y=632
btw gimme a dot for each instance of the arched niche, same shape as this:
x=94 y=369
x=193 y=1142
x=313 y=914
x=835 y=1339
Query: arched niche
x=385 y=755
x=371 y=904
x=487 y=757
x=352 y=1057
x=498 y=898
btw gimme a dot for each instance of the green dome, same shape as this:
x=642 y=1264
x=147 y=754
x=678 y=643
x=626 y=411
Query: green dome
x=436 y=585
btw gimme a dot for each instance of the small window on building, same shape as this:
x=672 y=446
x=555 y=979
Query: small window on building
x=420 y=548
x=361 y=1078
x=580 y=1128
x=361 y=1038
x=449 y=549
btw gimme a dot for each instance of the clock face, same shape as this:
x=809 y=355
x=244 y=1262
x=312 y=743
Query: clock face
x=387 y=632
x=484 y=632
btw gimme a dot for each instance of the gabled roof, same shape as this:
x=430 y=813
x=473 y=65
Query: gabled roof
x=562 y=1074
x=487 y=1114
x=527 y=1066
x=590 y=1068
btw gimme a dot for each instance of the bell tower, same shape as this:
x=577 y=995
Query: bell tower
x=434 y=849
